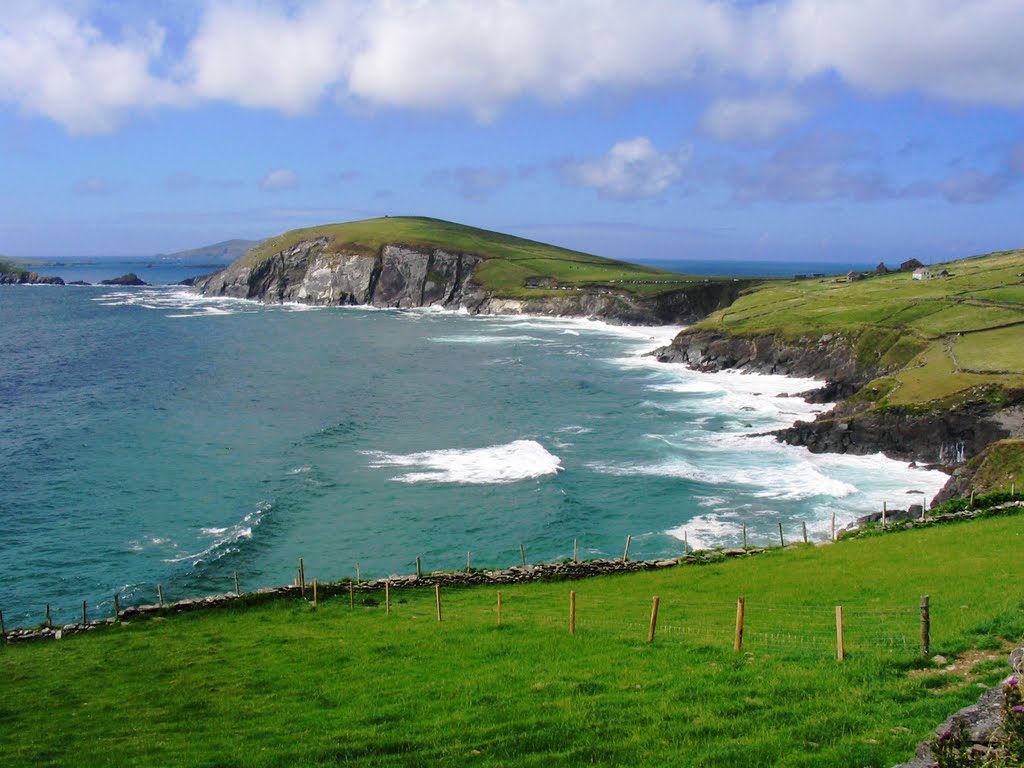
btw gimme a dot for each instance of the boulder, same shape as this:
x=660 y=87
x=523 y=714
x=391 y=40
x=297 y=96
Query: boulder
x=130 y=279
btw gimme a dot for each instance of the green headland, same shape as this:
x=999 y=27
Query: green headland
x=512 y=267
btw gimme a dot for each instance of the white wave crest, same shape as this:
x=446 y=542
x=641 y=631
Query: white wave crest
x=510 y=463
x=484 y=339
x=223 y=538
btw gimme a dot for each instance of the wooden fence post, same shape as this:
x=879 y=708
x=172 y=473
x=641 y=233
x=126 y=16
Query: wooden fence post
x=85 y=613
x=625 y=554
x=885 y=512
x=469 y=561
x=3 y=629
x=572 y=612
x=926 y=627
x=686 y=543
x=805 y=531
x=419 y=567
x=238 y=590
x=654 y=619
x=351 y=595
x=522 y=554
x=833 y=525
x=744 y=535
x=738 y=643
x=160 y=595
x=387 y=597
x=437 y=599
x=117 y=605
x=972 y=499
x=357 y=572
x=499 y=607
x=49 y=618
x=302 y=578
x=840 y=643
x=575 y=550
x=782 y=541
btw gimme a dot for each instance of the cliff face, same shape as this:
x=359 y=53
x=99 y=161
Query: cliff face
x=942 y=437
x=828 y=357
x=19 y=277
x=307 y=273
x=402 y=276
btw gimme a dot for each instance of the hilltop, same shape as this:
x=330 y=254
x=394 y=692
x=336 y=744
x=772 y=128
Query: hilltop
x=228 y=250
x=928 y=369
x=415 y=261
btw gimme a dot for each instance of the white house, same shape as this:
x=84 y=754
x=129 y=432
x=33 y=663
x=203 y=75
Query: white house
x=922 y=273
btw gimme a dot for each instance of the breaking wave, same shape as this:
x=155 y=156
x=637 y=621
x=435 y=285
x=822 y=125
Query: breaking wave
x=509 y=463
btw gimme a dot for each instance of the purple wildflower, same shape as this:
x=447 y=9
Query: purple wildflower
x=1018 y=708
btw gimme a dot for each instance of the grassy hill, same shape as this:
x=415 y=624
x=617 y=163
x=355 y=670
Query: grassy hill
x=514 y=266
x=284 y=684
x=947 y=339
x=225 y=251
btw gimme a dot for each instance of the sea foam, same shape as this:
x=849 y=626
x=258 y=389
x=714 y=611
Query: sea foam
x=509 y=463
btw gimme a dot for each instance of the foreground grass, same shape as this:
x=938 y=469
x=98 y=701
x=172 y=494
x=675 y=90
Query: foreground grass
x=513 y=264
x=283 y=684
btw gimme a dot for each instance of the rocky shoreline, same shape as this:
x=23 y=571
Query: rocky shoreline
x=941 y=438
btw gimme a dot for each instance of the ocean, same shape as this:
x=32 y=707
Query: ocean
x=150 y=437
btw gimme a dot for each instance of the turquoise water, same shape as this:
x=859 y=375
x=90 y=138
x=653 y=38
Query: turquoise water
x=148 y=436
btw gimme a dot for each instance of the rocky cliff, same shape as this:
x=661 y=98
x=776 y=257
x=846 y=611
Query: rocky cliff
x=402 y=276
x=24 y=277
x=942 y=436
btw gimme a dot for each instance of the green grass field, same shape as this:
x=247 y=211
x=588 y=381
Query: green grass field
x=283 y=684
x=943 y=338
x=511 y=262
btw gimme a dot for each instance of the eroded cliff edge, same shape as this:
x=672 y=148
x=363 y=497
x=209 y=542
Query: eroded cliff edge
x=403 y=276
x=945 y=435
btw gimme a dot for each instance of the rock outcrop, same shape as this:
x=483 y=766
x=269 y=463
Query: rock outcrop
x=402 y=276
x=942 y=437
x=829 y=357
x=130 y=279
x=24 y=277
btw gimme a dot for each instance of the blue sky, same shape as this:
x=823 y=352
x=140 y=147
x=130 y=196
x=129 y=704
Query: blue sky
x=839 y=130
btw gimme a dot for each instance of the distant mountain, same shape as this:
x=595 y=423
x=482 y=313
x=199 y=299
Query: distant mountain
x=227 y=251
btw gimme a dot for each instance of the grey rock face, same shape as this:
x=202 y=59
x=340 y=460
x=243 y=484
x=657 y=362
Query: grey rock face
x=312 y=272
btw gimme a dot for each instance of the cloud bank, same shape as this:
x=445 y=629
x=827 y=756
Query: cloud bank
x=58 y=61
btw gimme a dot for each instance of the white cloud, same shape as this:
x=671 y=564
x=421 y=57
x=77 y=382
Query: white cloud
x=630 y=170
x=480 y=56
x=280 y=179
x=264 y=56
x=57 y=66
x=754 y=120
x=57 y=60
x=962 y=52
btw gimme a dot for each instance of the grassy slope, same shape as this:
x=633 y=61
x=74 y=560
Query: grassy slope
x=228 y=250
x=8 y=266
x=949 y=336
x=999 y=467
x=512 y=261
x=283 y=685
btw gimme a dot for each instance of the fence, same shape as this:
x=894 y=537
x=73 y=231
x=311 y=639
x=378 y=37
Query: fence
x=573 y=569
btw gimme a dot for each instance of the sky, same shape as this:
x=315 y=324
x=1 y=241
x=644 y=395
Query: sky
x=811 y=130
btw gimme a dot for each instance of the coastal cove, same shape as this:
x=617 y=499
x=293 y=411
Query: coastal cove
x=156 y=437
